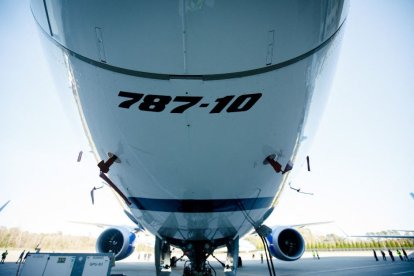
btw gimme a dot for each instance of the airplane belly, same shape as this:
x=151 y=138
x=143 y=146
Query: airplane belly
x=174 y=158
x=191 y=137
x=225 y=150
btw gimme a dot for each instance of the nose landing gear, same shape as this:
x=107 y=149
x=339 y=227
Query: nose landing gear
x=197 y=252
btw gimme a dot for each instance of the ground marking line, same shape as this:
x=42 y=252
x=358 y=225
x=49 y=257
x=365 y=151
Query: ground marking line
x=336 y=270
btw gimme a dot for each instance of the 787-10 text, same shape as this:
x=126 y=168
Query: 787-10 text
x=158 y=103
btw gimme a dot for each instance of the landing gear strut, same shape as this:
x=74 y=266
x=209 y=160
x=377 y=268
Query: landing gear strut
x=197 y=252
x=230 y=268
x=162 y=257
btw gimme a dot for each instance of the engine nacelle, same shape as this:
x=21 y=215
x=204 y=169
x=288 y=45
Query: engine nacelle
x=286 y=244
x=118 y=240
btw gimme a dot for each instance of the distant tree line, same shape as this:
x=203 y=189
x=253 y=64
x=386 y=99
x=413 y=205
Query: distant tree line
x=361 y=244
x=335 y=242
x=17 y=238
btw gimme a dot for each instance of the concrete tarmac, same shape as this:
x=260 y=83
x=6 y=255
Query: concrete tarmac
x=352 y=265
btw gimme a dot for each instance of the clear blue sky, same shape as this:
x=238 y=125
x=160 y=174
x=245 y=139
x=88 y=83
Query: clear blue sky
x=362 y=159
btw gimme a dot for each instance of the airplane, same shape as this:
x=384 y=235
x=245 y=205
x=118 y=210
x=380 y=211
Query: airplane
x=389 y=236
x=5 y=204
x=198 y=112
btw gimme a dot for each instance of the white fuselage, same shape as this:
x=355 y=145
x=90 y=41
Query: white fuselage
x=192 y=96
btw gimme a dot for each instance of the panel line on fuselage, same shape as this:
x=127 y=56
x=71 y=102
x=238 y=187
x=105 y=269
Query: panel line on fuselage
x=206 y=77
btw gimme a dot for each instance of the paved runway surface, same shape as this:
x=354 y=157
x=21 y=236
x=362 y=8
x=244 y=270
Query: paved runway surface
x=306 y=266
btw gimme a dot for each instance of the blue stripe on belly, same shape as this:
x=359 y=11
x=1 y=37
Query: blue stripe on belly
x=200 y=205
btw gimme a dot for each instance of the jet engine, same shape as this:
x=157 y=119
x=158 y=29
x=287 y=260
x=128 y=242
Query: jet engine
x=286 y=244
x=118 y=240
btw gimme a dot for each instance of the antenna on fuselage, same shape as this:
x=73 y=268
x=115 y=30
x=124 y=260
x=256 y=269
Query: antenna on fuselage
x=276 y=165
x=104 y=168
x=308 y=162
x=299 y=191
x=92 y=194
x=80 y=156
